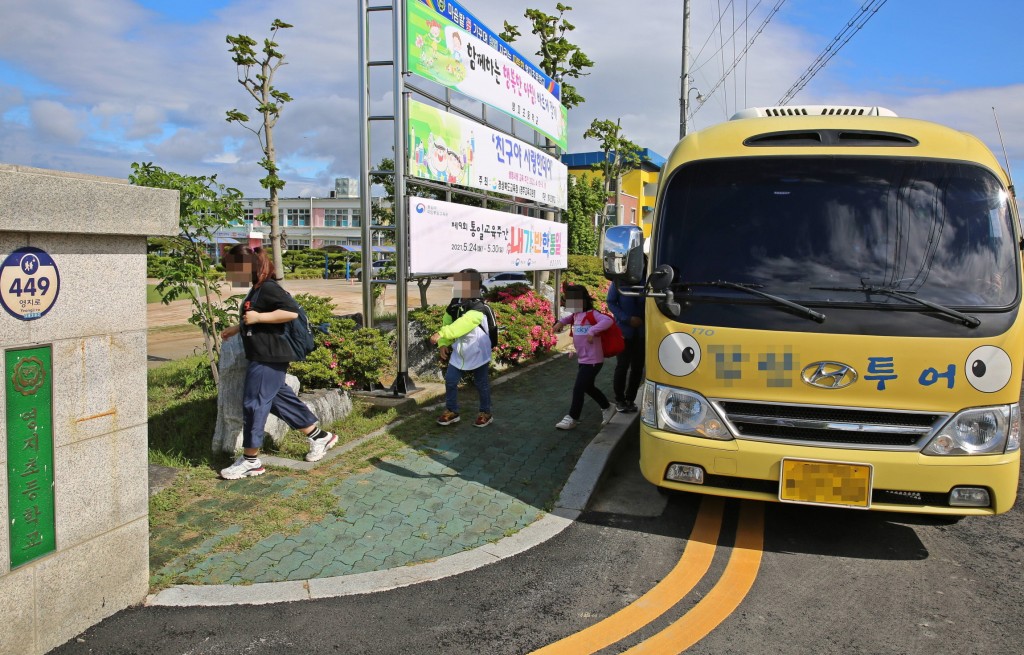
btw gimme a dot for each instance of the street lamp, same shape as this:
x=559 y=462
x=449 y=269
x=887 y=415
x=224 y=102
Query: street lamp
x=686 y=107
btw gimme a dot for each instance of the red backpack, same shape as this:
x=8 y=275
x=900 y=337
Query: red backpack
x=612 y=341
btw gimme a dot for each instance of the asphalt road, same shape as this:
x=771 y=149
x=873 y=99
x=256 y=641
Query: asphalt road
x=811 y=581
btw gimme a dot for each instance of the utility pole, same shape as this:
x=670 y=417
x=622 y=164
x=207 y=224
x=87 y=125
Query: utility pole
x=618 y=180
x=685 y=80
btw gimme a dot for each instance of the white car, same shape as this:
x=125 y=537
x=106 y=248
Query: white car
x=503 y=280
x=378 y=269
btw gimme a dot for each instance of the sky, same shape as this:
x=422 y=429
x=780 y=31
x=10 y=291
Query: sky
x=90 y=86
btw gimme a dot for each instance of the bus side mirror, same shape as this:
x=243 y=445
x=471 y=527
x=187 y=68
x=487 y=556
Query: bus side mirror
x=622 y=254
x=661 y=278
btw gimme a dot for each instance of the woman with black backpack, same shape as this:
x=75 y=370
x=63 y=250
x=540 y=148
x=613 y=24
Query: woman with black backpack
x=264 y=312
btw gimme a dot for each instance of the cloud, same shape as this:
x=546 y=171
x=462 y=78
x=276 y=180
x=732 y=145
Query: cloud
x=58 y=121
x=10 y=96
x=223 y=158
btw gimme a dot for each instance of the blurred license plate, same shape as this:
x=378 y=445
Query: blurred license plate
x=813 y=482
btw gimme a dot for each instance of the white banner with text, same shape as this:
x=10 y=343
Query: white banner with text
x=445 y=238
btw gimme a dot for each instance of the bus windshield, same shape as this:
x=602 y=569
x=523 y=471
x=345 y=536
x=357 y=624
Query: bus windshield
x=842 y=230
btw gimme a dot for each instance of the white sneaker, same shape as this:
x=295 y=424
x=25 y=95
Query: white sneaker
x=567 y=423
x=319 y=447
x=243 y=468
x=607 y=414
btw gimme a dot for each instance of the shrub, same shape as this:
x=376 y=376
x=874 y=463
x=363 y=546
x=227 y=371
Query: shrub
x=587 y=270
x=156 y=265
x=345 y=357
x=429 y=317
x=526 y=323
x=319 y=309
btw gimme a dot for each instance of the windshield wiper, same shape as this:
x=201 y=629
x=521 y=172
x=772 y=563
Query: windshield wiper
x=806 y=312
x=969 y=321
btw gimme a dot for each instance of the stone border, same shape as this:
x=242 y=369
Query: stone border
x=571 y=502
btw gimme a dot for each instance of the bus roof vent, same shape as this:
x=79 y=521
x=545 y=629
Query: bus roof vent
x=812 y=110
x=852 y=138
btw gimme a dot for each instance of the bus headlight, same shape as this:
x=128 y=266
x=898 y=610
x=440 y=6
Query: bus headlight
x=981 y=431
x=682 y=411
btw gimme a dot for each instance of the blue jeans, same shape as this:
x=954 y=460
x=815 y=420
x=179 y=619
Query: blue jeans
x=266 y=393
x=451 y=387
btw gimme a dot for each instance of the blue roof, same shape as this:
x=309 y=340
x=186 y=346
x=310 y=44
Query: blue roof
x=588 y=159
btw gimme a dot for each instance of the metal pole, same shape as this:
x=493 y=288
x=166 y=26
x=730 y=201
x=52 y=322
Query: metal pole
x=364 y=161
x=685 y=82
x=618 y=178
x=403 y=383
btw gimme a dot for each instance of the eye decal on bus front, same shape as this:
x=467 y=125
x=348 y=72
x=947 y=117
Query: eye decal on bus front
x=988 y=369
x=679 y=354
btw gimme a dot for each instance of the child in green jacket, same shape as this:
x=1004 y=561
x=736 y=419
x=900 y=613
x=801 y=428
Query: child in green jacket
x=466 y=344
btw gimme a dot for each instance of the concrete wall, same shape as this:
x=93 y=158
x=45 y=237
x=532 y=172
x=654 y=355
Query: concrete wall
x=95 y=230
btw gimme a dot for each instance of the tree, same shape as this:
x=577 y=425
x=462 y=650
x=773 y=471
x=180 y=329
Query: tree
x=204 y=206
x=559 y=58
x=586 y=199
x=260 y=85
x=620 y=154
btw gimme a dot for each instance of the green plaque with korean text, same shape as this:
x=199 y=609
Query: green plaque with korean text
x=29 y=392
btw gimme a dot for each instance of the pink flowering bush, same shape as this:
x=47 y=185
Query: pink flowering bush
x=525 y=320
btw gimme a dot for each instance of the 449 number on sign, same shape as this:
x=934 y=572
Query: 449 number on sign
x=29 y=283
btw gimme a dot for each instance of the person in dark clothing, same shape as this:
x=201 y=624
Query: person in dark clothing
x=629 y=364
x=265 y=310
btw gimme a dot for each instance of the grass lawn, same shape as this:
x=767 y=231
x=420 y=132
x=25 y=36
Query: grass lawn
x=151 y=293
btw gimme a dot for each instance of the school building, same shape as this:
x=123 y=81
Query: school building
x=635 y=200
x=333 y=222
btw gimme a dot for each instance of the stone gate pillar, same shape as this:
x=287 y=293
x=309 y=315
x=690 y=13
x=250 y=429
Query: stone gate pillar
x=74 y=535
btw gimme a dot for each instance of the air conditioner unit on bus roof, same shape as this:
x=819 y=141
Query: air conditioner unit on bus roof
x=812 y=110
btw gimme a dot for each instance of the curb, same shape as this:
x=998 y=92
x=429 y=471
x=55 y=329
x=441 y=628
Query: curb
x=571 y=502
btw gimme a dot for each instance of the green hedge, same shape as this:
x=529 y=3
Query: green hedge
x=588 y=271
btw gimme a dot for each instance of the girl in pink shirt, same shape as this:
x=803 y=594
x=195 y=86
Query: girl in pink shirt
x=587 y=326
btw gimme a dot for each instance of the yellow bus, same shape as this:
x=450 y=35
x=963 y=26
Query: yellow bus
x=833 y=314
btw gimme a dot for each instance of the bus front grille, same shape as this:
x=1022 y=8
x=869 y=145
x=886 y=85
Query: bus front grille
x=839 y=427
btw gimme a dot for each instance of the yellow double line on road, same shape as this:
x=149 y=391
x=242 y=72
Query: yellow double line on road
x=730 y=590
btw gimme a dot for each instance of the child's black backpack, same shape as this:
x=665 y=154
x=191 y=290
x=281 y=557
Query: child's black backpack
x=485 y=309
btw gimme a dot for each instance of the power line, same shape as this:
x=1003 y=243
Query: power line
x=708 y=40
x=736 y=61
x=867 y=10
x=732 y=36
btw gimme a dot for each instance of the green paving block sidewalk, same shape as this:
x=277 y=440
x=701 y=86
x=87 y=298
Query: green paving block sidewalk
x=442 y=490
